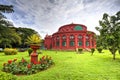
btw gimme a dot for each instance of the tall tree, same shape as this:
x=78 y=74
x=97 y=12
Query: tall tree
x=110 y=32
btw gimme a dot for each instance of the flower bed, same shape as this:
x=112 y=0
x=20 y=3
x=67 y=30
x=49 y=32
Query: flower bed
x=24 y=67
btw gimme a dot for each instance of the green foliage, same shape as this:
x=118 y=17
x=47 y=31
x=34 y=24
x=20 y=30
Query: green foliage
x=92 y=50
x=30 y=51
x=80 y=50
x=10 y=51
x=26 y=68
x=99 y=49
x=109 y=32
x=7 y=76
x=33 y=39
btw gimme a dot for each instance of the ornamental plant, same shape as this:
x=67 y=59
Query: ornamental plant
x=10 y=51
x=24 y=67
x=34 y=39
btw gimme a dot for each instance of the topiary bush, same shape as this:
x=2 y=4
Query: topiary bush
x=10 y=51
x=99 y=49
x=30 y=51
x=92 y=50
x=80 y=50
x=7 y=76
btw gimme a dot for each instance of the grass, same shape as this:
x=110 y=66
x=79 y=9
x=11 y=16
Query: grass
x=72 y=66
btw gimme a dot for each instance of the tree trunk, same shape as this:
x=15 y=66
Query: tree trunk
x=113 y=51
x=113 y=56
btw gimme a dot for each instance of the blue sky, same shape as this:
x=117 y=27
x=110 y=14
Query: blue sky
x=46 y=16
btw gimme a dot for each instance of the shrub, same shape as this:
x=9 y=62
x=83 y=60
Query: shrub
x=92 y=50
x=80 y=50
x=30 y=51
x=99 y=49
x=24 y=67
x=7 y=76
x=10 y=51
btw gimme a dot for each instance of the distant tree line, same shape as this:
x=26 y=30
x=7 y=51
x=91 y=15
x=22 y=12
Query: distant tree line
x=11 y=36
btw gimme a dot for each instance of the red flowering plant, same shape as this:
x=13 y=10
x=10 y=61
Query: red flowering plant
x=25 y=67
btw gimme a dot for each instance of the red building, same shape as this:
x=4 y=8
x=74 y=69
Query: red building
x=71 y=37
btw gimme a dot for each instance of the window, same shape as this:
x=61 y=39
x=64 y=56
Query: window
x=64 y=37
x=80 y=43
x=72 y=43
x=57 y=43
x=58 y=38
x=64 y=43
x=87 y=43
x=71 y=37
x=78 y=27
x=87 y=37
x=79 y=37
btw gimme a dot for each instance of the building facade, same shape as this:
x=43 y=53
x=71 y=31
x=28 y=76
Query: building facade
x=70 y=37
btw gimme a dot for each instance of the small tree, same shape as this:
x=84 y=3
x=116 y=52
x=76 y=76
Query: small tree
x=80 y=50
x=99 y=49
x=110 y=31
x=92 y=51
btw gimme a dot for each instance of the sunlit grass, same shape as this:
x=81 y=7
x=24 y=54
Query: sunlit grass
x=72 y=66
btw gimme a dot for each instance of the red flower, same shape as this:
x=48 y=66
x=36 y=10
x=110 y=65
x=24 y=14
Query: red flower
x=28 y=66
x=9 y=61
x=15 y=60
x=35 y=63
x=23 y=60
x=39 y=62
x=43 y=57
x=4 y=64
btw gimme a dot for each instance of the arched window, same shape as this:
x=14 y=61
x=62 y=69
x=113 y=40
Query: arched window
x=58 y=38
x=87 y=37
x=87 y=43
x=71 y=37
x=79 y=43
x=72 y=43
x=64 y=37
x=79 y=37
x=78 y=27
x=63 y=43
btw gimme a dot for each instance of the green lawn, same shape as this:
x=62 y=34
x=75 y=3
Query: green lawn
x=72 y=66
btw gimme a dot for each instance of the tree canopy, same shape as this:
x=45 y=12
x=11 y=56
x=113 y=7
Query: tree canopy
x=110 y=32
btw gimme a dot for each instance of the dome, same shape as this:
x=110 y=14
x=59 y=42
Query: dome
x=72 y=27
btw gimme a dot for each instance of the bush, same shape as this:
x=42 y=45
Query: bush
x=99 y=49
x=92 y=50
x=24 y=67
x=80 y=50
x=10 y=51
x=30 y=51
x=7 y=76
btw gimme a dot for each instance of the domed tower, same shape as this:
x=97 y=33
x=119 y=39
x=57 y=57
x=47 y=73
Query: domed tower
x=73 y=36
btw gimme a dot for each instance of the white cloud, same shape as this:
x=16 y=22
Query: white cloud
x=46 y=16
